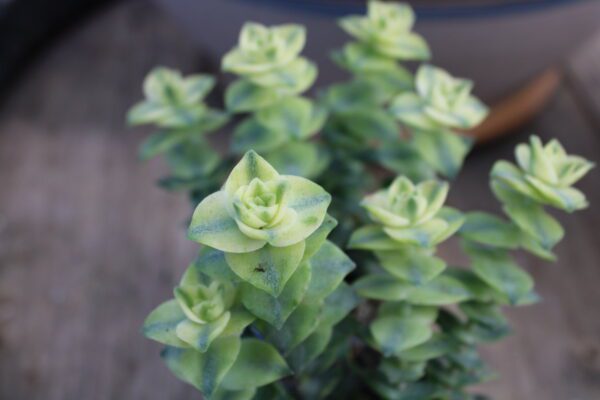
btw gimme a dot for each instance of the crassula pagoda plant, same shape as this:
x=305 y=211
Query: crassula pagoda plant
x=273 y=309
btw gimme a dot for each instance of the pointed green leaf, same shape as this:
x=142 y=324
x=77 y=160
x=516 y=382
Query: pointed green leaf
x=442 y=290
x=200 y=336
x=251 y=135
x=371 y=237
x=444 y=150
x=317 y=238
x=394 y=335
x=301 y=323
x=381 y=287
x=276 y=310
x=536 y=222
x=310 y=349
x=161 y=323
x=411 y=264
x=338 y=305
x=487 y=229
x=268 y=268
x=329 y=265
x=213 y=226
x=300 y=159
x=257 y=364
x=205 y=371
x=244 y=96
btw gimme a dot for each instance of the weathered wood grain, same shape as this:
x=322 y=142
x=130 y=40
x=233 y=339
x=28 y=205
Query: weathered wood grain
x=88 y=245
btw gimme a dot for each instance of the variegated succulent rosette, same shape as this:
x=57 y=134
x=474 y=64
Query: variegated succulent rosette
x=439 y=102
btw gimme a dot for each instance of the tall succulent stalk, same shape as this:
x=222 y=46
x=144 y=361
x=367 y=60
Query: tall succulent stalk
x=272 y=309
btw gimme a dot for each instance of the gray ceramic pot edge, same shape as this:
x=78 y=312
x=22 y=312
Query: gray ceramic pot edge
x=499 y=53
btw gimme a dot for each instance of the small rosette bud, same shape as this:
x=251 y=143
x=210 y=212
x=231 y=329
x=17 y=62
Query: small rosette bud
x=440 y=101
x=407 y=214
x=173 y=101
x=544 y=174
x=387 y=29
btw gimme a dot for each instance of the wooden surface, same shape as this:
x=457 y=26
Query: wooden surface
x=88 y=244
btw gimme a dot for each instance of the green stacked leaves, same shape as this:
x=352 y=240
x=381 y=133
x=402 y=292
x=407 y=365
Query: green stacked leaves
x=174 y=105
x=272 y=77
x=267 y=262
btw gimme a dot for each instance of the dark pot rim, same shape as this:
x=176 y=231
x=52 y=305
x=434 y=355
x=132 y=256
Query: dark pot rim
x=428 y=12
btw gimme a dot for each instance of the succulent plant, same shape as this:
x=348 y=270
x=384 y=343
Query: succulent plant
x=440 y=101
x=545 y=174
x=267 y=310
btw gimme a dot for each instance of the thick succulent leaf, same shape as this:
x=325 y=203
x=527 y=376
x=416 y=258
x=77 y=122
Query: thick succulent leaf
x=329 y=267
x=408 y=109
x=381 y=287
x=250 y=166
x=205 y=371
x=408 y=46
x=252 y=135
x=338 y=305
x=300 y=159
x=498 y=270
x=437 y=346
x=257 y=364
x=389 y=82
x=291 y=79
x=244 y=96
x=490 y=230
x=276 y=310
x=310 y=202
x=442 y=290
x=484 y=313
x=240 y=319
x=314 y=242
x=147 y=112
x=443 y=150
x=411 y=264
x=161 y=323
x=394 y=335
x=426 y=314
x=268 y=268
x=291 y=75
x=536 y=222
x=192 y=160
x=213 y=226
x=564 y=198
x=478 y=289
x=371 y=237
x=533 y=245
x=291 y=116
x=310 y=349
x=371 y=124
x=200 y=336
x=212 y=263
x=424 y=235
x=301 y=323
x=358 y=57
x=351 y=96
x=158 y=143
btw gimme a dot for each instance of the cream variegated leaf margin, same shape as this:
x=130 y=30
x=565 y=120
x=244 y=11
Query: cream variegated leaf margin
x=200 y=313
x=173 y=101
x=263 y=49
x=256 y=207
x=406 y=213
x=439 y=101
x=387 y=29
x=545 y=174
